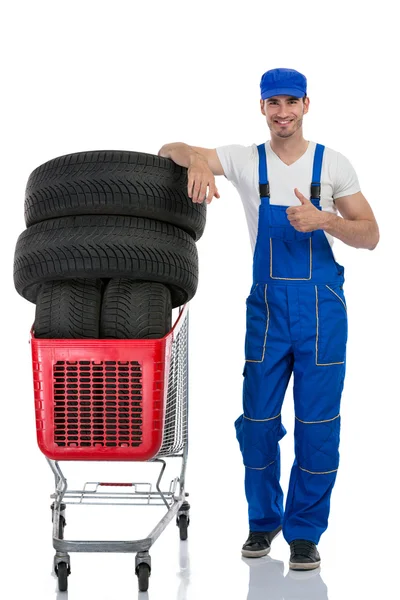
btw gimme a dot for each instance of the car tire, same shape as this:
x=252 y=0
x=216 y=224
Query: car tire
x=123 y=183
x=68 y=309
x=106 y=247
x=135 y=310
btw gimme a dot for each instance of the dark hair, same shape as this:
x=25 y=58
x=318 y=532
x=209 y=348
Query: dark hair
x=303 y=97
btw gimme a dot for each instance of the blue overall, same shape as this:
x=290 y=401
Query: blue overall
x=296 y=321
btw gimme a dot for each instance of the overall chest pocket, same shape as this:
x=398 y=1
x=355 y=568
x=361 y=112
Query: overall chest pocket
x=290 y=252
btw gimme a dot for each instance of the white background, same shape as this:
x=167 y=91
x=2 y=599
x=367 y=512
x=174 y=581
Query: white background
x=133 y=76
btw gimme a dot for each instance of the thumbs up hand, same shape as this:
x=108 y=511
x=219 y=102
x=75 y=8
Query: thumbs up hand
x=305 y=217
x=302 y=198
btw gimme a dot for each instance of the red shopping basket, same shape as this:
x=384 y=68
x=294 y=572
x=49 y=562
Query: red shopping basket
x=111 y=399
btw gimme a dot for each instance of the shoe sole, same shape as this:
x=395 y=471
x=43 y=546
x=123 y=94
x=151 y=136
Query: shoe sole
x=255 y=553
x=304 y=566
x=259 y=553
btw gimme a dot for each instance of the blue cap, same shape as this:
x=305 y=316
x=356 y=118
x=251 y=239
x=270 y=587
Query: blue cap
x=283 y=81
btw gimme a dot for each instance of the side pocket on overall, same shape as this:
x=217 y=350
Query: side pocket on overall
x=290 y=253
x=257 y=322
x=331 y=334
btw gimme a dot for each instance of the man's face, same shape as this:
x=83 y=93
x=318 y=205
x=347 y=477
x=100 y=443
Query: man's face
x=284 y=114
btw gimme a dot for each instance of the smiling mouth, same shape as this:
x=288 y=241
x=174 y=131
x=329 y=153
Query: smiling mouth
x=284 y=122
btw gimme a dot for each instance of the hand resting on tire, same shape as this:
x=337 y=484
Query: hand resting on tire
x=202 y=165
x=200 y=177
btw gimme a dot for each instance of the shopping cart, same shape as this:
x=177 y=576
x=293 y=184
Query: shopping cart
x=114 y=400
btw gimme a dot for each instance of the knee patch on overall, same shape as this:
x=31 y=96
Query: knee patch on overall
x=317 y=445
x=258 y=440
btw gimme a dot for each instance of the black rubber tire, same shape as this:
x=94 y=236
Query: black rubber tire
x=183 y=527
x=104 y=247
x=68 y=309
x=110 y=182
x=135 y=310
x=62 y=576
x=143 y=574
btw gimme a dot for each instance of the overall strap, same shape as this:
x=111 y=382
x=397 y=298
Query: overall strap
x=316 y=176
x=263 y=172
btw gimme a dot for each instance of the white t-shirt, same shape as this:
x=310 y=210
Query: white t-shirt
x=240 y=164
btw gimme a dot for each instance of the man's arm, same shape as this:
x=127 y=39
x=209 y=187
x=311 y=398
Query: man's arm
x=358 y=227
x=185 y=155
x=202 y=164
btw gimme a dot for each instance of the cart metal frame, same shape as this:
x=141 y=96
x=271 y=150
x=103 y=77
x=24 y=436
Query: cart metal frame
x=174 y=499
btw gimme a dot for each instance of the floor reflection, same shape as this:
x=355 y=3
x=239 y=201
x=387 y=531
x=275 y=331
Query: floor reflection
x=184 y=573
x=268 y=582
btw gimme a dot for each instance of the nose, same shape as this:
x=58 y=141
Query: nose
x=282 y=112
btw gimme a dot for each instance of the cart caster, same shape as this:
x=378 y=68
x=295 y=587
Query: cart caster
x=143 y=570
x=62 y=572
x=143 y=573
x=62 y=568
x=182 y=520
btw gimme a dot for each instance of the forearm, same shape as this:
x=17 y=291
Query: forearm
x=358 y=233
x=180 y=153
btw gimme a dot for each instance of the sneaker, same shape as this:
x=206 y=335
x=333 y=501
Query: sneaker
x=259 y=543
x=303 y=555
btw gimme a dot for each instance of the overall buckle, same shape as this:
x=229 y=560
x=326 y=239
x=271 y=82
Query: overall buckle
x=264 y=190
x=315 y=191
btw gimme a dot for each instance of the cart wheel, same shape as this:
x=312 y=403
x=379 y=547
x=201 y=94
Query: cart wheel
x=143 y=573
x=183 y=527
x=62 y=574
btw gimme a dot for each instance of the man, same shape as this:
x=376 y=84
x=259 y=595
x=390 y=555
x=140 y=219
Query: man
x=292 y=190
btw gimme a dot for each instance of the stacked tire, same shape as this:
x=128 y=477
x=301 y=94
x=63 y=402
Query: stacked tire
x=110 y=245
